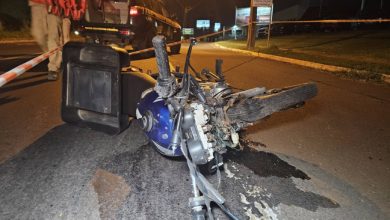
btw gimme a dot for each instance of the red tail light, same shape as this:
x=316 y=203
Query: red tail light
x=133 y=11
x=125 y=32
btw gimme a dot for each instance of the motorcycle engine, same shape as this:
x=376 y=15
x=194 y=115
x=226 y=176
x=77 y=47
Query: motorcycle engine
x=196 y=131
x=205 y=127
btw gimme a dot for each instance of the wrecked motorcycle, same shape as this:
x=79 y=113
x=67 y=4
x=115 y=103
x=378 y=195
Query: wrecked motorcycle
x=196 y=116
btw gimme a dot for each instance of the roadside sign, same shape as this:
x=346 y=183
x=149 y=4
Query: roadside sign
x=217 y=26
x=260 y=3
x=203 y=24
x=188 y=31
x=243 y=15
x=264 y=14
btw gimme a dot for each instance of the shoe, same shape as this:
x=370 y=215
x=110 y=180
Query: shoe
x=52 y=76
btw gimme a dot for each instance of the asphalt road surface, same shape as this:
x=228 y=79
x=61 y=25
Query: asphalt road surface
x=328 y=160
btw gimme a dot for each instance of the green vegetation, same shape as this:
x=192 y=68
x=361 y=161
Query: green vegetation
x=360 y=50
x=23 y=34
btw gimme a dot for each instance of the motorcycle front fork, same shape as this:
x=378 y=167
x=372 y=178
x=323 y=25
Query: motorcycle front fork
x=198 y=202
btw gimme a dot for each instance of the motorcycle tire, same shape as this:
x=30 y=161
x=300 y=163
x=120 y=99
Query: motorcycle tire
x=258 y=107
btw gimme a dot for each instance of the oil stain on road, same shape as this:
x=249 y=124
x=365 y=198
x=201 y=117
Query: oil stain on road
x=111 y=191
x=75 y=172
x=253 y=183
x=265 y=164
x=267 y=181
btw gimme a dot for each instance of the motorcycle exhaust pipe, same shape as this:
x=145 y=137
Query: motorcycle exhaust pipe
x=253 y=109
x=249 y=93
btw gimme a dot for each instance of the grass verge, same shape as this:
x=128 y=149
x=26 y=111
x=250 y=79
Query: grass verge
x=359 y=50
x=23 y=34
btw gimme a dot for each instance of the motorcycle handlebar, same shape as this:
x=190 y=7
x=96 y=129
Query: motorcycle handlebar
x=166 y=83
x=162 y=57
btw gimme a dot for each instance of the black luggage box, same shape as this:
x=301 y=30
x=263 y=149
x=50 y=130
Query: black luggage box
x=95 y=93
x=91 y=87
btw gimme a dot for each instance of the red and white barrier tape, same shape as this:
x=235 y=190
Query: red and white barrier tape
x=12 y=74
x=180 y=42
x=19 y=70
x=273 y=22
x=384 y=20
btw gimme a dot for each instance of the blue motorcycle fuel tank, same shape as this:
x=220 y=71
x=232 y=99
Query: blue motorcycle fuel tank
x=157 y=122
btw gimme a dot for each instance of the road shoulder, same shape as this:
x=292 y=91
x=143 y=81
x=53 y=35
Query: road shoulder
x=318 y=66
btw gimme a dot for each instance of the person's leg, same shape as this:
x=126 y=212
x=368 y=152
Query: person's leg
x=39 y=25
x=54 y=41
x=66 y=30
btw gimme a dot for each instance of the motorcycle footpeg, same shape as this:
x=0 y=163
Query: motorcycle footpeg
x=196 y=201
x=198 y=214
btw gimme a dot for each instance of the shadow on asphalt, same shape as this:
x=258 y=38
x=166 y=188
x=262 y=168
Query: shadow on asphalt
x=23 y=85
x=28 y=76
x=6 y=65
x=240 y=64
x=279 y=119
x=7 y=99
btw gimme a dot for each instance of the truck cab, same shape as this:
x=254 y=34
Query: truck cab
x=130 y=24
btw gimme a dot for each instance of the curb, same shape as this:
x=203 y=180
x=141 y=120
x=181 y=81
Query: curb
x=313 y=65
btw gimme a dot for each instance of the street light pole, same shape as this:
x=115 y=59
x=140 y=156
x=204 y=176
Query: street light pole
x=270 y=25
x=251 y=38
x=185 y=5
x=362 y=5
